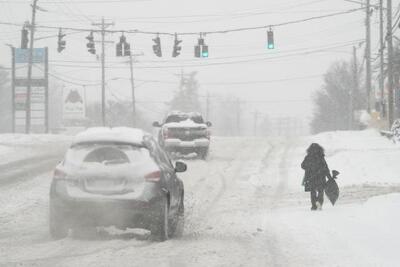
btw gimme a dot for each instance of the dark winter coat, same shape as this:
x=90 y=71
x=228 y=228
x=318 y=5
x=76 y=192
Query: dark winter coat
x=316 y=170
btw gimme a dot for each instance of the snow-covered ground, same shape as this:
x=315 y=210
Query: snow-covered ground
x=244 y=207
x=15 y=147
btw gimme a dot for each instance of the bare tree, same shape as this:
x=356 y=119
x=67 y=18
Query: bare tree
x=332 y=101
x=187 y=97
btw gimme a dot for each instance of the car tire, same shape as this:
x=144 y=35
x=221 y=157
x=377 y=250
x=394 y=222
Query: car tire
x=58 y=228
x=179 y=223
x=203 y=153
x=161 y=229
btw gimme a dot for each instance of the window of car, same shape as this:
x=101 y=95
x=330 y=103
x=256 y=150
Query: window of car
x=176 y=118
x=106 y=154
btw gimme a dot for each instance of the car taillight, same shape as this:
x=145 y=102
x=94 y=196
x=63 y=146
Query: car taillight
x=208 y=134
x=153 y=176
x=59 y=174
x=165 y=133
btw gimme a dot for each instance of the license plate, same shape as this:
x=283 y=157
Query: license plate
x=103 y=184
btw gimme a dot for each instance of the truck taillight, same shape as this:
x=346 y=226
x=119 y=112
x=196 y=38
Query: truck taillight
x=59 y=174
x=153 y=176
x=165 y=133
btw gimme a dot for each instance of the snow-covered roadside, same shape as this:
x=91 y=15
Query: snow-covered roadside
x=357 y=234
x=15 y=147
x=362 y=157
x=362 y=229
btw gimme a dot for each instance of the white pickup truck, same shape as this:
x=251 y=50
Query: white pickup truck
x=184 y=133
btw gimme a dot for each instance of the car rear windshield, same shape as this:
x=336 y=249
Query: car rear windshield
x=106 y=154
x=176 y=118
x=183 y=117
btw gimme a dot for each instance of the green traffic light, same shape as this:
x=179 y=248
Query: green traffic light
x=204 y=54
x=271 y=46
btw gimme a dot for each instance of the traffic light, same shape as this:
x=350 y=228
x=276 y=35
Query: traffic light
x=24 y=38
x=90 y=45
x=204 y=51
x=61 y=42
x=157 y=46
x=201 y=49
x=270 y=37
x=177 y=47
x=197 y=51
x=127 y=49
x=119 y=49
x=123 y=47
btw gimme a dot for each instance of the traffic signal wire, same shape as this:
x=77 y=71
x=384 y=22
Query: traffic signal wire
x=196 y=33
x=245 y=60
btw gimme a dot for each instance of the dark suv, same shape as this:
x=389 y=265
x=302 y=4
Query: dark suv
x=120 y=177
x=184 y=133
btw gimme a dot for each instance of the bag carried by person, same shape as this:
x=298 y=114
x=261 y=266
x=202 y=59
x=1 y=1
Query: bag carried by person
x=307 y=184
x=332 y=188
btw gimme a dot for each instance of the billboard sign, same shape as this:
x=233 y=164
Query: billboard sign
x=74 y=104
x=39 y=89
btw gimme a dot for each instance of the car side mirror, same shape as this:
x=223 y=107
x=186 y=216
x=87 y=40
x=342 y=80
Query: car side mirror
x=180 y=166
x=156 y=124
x=335 y=173
x=209 y=124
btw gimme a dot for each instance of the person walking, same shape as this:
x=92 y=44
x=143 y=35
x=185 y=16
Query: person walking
x=316 y=171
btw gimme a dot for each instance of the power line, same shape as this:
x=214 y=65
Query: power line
x=269 y=58
x=203 y=32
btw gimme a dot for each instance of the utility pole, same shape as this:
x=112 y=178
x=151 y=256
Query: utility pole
x=208 y=107
x=382 y=60
x=133 y=92
x=389 y=39
x=353 y=89
x=30 y=60
x=238 y=116
x=103 y=26
x=256 y=114
x=368 y=54
x=103 y=73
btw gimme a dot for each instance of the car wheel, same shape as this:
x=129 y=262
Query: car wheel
x=203 y=153
x=58 y=228
x=161 y=228
x=179 y=224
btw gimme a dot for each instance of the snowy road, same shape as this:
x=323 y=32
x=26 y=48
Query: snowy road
x=244 y=207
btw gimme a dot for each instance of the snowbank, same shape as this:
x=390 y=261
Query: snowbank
x=21 y=146
x=363 y=234
x=361 y=157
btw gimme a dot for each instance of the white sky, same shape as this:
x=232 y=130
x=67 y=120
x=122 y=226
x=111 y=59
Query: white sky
x=291 y=98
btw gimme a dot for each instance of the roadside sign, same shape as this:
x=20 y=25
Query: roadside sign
x=74 y=103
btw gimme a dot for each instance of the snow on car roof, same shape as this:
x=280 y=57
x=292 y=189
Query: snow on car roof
x=186 y=123
x=184 y=114
x=105 y=134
